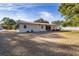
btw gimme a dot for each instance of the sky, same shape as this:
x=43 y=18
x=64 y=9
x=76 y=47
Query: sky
x=30 y=11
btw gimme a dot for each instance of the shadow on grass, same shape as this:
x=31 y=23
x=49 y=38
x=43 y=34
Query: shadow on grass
x=48 y=34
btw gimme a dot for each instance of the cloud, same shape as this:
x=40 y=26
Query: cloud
x=47 y=15
x=14 y=8
x=7 y=6
x=27 y=11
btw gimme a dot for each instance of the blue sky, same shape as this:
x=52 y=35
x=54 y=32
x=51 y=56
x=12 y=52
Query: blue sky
x=30 y=11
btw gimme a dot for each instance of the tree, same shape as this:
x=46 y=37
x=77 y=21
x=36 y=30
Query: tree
x=71 y=13
x=67 y=9
x=17 y=25
x=8 y=23
x=41 y=20
x=58 y=23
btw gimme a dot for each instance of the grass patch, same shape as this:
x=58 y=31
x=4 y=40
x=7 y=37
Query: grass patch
x=74 y=31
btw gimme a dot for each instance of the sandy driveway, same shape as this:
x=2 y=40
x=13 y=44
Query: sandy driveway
x=35 y=44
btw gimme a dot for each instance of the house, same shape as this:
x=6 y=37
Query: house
x=1 y=26
x=35 y=27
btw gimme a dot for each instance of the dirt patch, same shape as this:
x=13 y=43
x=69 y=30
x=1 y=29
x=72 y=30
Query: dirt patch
x=37 y=44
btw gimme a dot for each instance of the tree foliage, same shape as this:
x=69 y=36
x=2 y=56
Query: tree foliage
x=8 y=23
x=71 y=13
x=58 y=22
x=41 y=20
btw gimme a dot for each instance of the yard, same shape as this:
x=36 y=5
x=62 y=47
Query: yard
x=39 y=44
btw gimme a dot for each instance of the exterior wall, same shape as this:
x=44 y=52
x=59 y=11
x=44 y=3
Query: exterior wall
x=30 y=27
x=1 y=27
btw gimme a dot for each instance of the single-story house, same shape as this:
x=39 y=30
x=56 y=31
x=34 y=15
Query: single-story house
x=1 y=26
x=35 y=27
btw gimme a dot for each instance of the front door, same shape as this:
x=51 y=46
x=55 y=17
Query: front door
x=48 y=28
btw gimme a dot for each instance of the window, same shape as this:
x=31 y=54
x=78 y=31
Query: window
x=25 y=26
